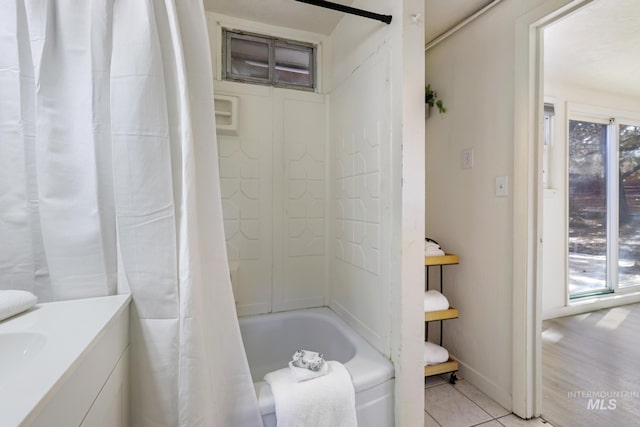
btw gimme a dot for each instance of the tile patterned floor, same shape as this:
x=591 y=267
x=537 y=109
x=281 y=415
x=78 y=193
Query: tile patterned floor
x=463 y=405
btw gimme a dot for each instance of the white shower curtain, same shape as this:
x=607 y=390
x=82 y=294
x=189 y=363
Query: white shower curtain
x=109 y=184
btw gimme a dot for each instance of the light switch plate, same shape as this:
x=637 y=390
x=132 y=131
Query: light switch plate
x=466 y=160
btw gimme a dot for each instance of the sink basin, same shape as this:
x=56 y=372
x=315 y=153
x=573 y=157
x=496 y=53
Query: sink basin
x=17 y=349
x=56 y=358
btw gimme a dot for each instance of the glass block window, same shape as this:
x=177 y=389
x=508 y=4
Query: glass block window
x=252 y=58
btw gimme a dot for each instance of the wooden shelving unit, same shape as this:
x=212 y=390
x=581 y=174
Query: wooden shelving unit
x=432 y=316
x=446 y=259
x=441 y=368
x=439 y=316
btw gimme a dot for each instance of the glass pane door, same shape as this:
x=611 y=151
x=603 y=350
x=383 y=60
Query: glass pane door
x=629 y=206
x=587 y=208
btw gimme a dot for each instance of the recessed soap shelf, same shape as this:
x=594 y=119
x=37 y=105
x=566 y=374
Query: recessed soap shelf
x=226 y=110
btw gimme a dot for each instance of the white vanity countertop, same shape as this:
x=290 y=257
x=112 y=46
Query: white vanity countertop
x=40 y=347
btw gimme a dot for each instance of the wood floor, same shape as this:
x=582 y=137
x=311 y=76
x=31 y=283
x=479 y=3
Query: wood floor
x=591 y=369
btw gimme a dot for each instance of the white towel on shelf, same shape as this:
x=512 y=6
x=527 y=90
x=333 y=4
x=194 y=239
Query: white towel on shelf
x=435 y=301
x=14 y=302
x=433 y=252
x=434 y=354
x=431 y=248
x=326 y=401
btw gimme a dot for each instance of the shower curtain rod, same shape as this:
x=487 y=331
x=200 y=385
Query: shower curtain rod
x=348 y=9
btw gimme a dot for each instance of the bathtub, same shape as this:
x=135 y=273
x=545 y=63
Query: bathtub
x=271 y=339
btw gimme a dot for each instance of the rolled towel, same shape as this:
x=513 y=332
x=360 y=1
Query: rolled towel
x=435 y=301
x=13 y=302
x=434 y=252
x=432 y=248
x=304 y=374
x=434 y=354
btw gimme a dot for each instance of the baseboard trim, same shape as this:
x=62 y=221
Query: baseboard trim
x=484 y=384
x=592 y=304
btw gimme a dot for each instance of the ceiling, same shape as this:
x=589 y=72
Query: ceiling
x=282 y=13
x=597 y=47
x=440 y=14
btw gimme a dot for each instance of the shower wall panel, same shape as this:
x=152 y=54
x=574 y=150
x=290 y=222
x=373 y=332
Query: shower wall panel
x=273 y=183
x=360 y=135
x=246 y=182
x=303 y=276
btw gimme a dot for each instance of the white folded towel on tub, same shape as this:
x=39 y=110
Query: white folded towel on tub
x=434 y=354
x=326 y=401
x=14 y=302
x=435 y=301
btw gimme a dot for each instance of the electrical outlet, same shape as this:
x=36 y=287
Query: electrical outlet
x=502 y=186
x=467 y=158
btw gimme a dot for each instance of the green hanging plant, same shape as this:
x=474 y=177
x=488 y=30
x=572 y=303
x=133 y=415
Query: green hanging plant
x=431 y=99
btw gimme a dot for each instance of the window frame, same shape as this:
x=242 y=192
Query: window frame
x=272 y=42
x=549 y=135
x=613 y=118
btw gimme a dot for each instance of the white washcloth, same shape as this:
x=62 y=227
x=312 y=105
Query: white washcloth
x=307 y=359
x=14 y=302
x=327 y=401
x=434 y=301
x=434 y=354
x=304 y=374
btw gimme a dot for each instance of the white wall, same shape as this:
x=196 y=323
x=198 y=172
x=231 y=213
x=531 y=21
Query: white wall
x=360 y=138
x=274 y=187
x=563 y=94
x=376 y=142
x=473 y=72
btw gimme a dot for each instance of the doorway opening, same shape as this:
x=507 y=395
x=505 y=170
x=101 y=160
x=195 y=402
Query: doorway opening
x=588 y=202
